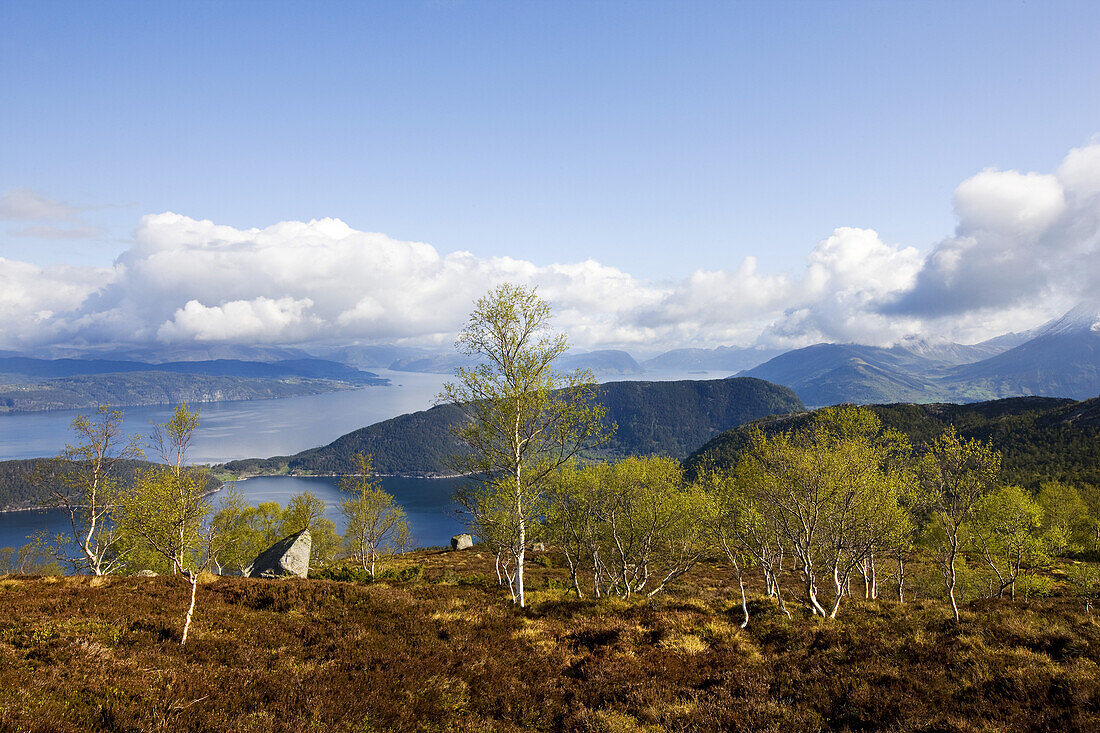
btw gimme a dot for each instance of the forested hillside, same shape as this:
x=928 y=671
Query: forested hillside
x=18 y=490
x=87 y=392
x=28 y=384
x=1040 y=438
x=652 y=418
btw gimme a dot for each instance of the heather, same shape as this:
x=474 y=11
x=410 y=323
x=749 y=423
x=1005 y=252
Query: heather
x=434 y=644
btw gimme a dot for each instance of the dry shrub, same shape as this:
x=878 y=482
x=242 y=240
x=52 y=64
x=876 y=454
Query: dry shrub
x=325 y=655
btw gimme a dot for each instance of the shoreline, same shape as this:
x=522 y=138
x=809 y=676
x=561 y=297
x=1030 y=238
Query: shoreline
x=426 y=477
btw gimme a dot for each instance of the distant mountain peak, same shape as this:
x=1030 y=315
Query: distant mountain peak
x=1082 y=318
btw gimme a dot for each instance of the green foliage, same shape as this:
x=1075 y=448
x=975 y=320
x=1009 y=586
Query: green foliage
x=166 y=515
x=1066 y=517
x=87 y=487
x=307 y=511
x=831 y=493
x=627 y=527
x=1004 y=530
x=34 y=558
x=376 y=526
x=244 y=531
x=1039 y=438
x=954 y=476
x=1085 y=581
x=523 y=420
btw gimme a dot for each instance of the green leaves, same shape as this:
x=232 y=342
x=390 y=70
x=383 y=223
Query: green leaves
x=376 y=526
x=523 y=420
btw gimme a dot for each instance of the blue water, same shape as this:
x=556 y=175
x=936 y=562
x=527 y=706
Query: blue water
x=251 y=429
x=256 y=428
x=427 y=504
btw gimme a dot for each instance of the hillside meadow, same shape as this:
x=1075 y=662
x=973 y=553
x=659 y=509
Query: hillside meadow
x=439 y=646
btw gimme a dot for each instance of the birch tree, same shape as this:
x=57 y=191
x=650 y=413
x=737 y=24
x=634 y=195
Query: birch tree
x=306 y=510
x=633 y=525
x=88 y=490
x=1004 y=530
x=954 y=475
x=376 y=526
x=523 y=419
x=831 y=493
x=170 y=505
x=1065 y=517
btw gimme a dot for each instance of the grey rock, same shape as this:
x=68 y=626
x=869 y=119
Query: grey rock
x=462 y=542
x=538 y=547
x=287 y=557
x=145 y=574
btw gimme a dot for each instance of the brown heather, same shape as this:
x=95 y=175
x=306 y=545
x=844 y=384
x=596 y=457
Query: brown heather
x=450 y=652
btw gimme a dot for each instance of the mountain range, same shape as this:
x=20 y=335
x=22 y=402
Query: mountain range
x=30 y=384
x=652 y=418
x=1058 y=359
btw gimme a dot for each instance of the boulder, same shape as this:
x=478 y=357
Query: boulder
x=538 y=547
x=287 y=557
x=462 y=542
x=145 y=574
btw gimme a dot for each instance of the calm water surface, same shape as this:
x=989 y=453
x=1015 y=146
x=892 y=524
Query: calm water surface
x=427 y=504
x=262 y=428
x=256 y=428
x=251 y=429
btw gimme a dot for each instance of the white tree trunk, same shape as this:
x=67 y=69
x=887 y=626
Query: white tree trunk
x=192 y=578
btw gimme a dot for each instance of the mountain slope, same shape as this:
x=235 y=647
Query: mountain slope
x=28 y=384
x=723 y=358
x=1041 y=438
x=827 y=374
x=130 y=389
x=18 y=490
x=667 y=418
x=608 y=362
x=1059 y=359
x=1063 y=359
x=282 y=369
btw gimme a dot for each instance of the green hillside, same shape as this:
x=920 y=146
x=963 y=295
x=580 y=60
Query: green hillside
x=666 y=418
x=18 y=491
x=1041 y=438
x=86 y=392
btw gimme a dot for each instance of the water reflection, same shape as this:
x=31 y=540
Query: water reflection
x=427 y=504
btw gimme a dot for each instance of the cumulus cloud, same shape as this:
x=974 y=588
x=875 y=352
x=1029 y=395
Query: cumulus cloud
x=261 y=320
x=186 y=280
x=1023 y=240
x=35 y=301
x=1026 y=245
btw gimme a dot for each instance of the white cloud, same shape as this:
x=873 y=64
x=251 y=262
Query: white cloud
x=1027 y=245
x=1080 y=172
x=1008 y=204
x=1025 y=242
x=261 y=320
x=35 y=301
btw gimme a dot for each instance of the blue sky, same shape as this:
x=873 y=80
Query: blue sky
x=656 y=138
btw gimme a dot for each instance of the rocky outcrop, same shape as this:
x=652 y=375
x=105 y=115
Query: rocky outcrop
x=287 y=557
x=462 y=542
